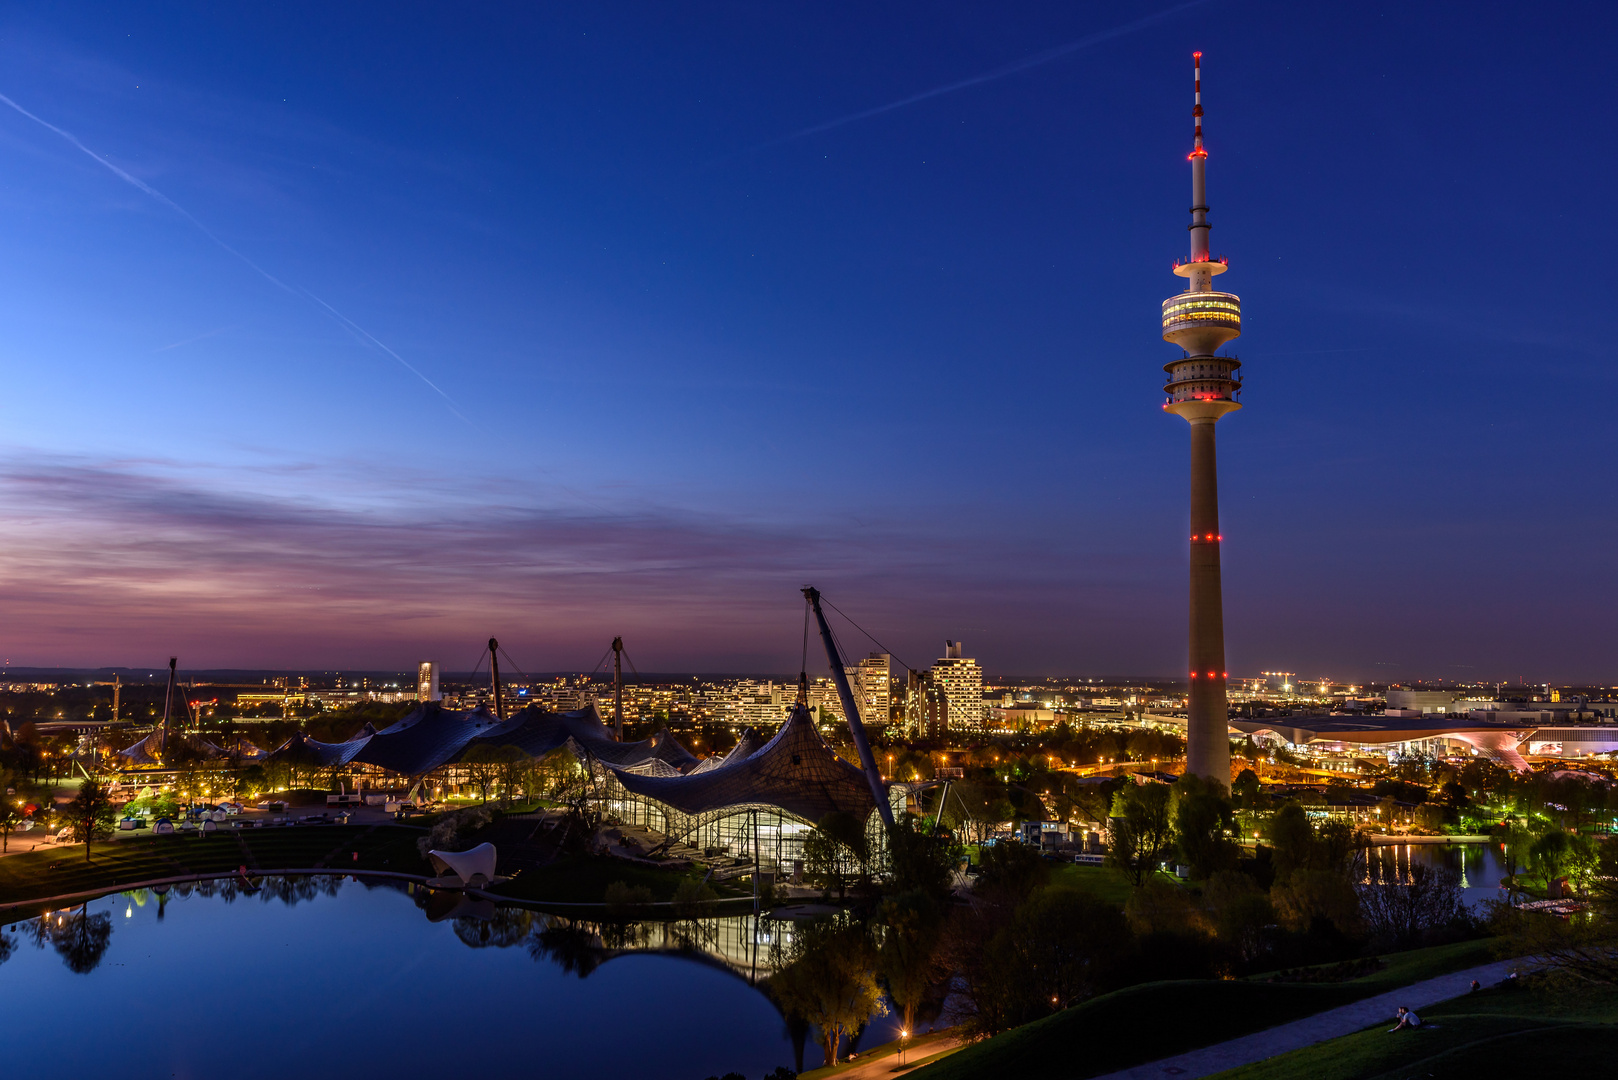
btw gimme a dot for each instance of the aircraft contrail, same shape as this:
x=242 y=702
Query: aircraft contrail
x=1036 y=60
x=199 y=337
x=330 y=312
x=356 y=328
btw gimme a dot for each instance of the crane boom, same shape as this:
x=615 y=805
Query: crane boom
x=845 y=694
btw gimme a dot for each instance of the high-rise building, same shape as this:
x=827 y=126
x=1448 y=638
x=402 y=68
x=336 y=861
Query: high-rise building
x=1203 y=386
x=427 y=681
x=961 y=680
x=869 y=679
x=926 y=706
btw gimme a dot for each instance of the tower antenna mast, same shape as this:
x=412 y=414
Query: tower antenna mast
x=1203 y=386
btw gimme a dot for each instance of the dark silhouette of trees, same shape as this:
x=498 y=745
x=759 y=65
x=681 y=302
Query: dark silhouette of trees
x=909 y=953
x=90 y=813
x=838 y=852
x=1398 y=914
x=919 y=861
x=1141 y=830
x=827 y=977
x=1203 y=819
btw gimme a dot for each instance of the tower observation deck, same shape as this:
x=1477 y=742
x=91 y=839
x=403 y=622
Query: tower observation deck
x=1203 y=385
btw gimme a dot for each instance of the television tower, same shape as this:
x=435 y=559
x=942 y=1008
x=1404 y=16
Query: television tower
x=1202 y=387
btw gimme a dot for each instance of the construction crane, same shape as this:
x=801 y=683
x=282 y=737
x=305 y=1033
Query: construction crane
x=845 y=694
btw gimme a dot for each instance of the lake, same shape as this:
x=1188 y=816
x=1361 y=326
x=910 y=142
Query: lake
x=332 y=976
x=1478 y=864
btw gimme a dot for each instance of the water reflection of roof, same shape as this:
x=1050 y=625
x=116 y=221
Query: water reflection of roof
x=795 y=771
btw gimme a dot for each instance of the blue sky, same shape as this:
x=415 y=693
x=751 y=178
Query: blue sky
x=610 y=348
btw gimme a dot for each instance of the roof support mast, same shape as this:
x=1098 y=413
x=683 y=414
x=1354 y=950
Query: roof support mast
x=618 y=688
x=168 y=705
x=494 y=678
x=845 y=694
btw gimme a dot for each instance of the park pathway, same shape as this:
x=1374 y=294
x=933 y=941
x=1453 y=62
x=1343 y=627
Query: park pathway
x=886 y=1065
x=1331 y=1024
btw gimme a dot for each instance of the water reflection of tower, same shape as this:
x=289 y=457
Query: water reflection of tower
x=1203 y=387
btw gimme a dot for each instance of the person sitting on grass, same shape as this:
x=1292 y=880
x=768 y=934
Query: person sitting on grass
x=1407 y=1019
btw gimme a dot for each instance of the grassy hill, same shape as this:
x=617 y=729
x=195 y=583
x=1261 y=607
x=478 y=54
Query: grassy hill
x=1489 y=1033
x=1154 y=1020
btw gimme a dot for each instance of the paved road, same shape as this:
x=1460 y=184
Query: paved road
x=1330 y=1024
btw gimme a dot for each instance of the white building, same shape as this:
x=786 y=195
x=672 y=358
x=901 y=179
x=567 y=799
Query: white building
x=427 y=681
x=962 y=682
x=869 y=679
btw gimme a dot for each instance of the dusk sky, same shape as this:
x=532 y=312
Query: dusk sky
x=347 y=335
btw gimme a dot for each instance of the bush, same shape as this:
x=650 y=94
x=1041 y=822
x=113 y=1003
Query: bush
x=158 y=805
x=622 y=898
x=454 y=831
x=690 y=897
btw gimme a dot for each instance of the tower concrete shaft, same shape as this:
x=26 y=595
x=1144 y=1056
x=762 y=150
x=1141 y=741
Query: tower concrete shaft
x=1203 y=386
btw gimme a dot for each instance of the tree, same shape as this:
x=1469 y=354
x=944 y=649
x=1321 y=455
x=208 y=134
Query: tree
x=1241 y=912
x=826 y=978
x=1305 y=899
x=837 y=852
x=1009 y=873
x=10 y=817
x=482 y=763
x=1140 y=830
x=1059 y=950
x=91 y=814
x=908 y=956
x=1561 y=854
x=1579 y=951
x=1399 y=913
x=1245 y=788
x=919 y=861
x=10 y=810
x=974 y=808
x=1291 y=839
x=1202 y=818
x=1516 y=843
x=516 y=771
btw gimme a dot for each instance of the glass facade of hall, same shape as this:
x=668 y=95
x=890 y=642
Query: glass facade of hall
x=744 y=830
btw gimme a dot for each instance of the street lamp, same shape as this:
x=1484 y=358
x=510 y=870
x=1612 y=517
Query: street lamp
x=904 y=1033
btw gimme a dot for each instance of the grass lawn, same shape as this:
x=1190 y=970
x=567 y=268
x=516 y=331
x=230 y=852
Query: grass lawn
x=1484 y=1034
x=58 y=870
x=1103 y=882
x=1404 y=968
x=584 y=880
x=1143 y=1023
x=115 y=863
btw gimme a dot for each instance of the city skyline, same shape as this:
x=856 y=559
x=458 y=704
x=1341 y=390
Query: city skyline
x=675 y=293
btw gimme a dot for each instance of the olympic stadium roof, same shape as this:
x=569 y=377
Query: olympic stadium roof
x=663 y=747
x=745 y=747
x=427 y=737
x=302 y=750
x=430 y=736
x=795 y=771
